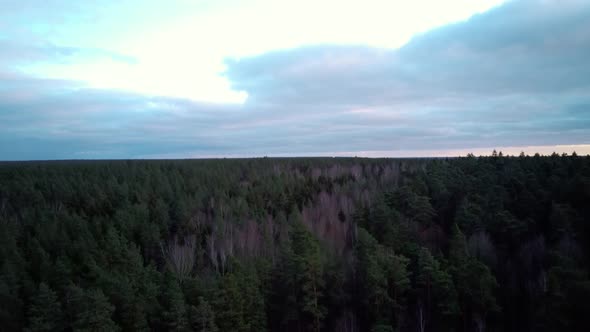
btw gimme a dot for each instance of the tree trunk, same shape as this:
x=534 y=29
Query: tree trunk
x=480 y=323
x=421 y=318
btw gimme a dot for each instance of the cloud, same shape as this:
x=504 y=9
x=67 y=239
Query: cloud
x=527 y=46
x=64 y=119
x=517 y=75
x=17 y=53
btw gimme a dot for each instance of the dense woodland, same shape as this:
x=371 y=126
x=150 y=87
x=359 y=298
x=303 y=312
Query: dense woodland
x=499 y=243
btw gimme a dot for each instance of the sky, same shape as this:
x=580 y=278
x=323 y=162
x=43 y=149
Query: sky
x=245 y=78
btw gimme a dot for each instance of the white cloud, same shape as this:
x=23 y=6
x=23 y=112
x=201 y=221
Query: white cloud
x=180 y=46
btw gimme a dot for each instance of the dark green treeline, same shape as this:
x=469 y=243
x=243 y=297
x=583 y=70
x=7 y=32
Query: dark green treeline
x=297 y=244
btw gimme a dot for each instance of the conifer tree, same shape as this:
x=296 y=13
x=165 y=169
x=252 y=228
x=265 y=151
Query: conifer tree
x=309 y=270
x=174 y=307
x=229 y=305
x=45 y=313
x=89 y=310
x=202 y=317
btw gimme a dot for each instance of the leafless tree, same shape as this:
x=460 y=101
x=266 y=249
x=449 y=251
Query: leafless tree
x=356 y=171
x=212 y=251
x=480 y=245
x=346 y=322
x=180 y=256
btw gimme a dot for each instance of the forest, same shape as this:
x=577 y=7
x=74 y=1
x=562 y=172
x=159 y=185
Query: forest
x=494 y=243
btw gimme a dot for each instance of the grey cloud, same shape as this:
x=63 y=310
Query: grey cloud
x=506 y=76
x=516 y=75
x=528 y=46
x=63 y=119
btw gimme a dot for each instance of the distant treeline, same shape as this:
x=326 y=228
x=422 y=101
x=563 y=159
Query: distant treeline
x=296 y=244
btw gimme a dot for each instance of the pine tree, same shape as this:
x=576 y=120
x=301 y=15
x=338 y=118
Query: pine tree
x=61 y=274
x=90 y=310
x=229 y=305
x=426 y=270
x=202 y=317
x=374 y=299
x=45 y=313
x=382 y=328
x=457 y=247
x=174 y=314
x=11 y=306
x=130 y=308
x=254 y=304
x=309 y=270
x=481 y=286
x=283 y=309
x=474 y=282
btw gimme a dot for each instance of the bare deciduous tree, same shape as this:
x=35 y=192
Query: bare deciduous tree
x=480 y=245
x=180 y=256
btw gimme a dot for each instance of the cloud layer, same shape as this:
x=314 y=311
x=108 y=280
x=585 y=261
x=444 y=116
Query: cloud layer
x=517 y=75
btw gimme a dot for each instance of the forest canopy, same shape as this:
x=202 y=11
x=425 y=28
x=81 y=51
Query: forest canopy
x=498 y=243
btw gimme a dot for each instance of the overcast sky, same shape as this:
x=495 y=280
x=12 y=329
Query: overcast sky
x=235 y=78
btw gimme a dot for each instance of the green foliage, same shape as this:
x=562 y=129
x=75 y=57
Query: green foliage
x=229 y=305
x=414 y=206
x=382 y=328
x=89 y=310
x=174 y=313
x=308 y=273
x=45 y=313
x=369 y=244
x=383 y=279
x=254 y=302
x=202 y=317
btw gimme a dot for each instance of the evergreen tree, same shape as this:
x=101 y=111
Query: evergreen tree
x=382 y=328
x=480 y=291
x=100 y=225
x=174 y=307
x=45 y=313
x=382 y=281
x=435 y=291
x=254 y=304
x=474 y=282
x=229 y=305
x=457 y=248
x=89 y=310
x=11 y=306
x=309 y=273
x=202 y=317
